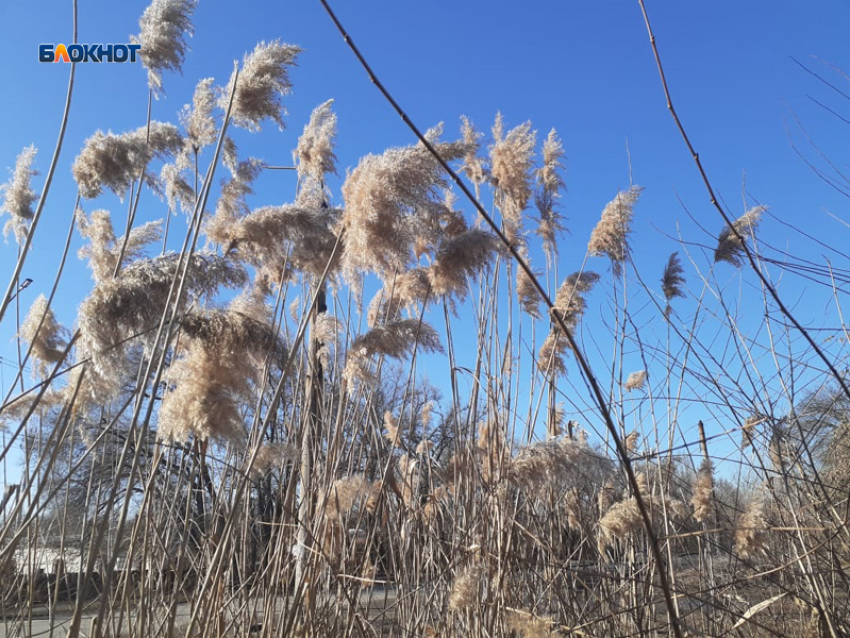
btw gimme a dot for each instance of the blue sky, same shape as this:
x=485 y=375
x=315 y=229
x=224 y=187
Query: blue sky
x=582 y=67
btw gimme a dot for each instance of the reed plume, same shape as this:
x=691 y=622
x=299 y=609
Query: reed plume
x=569 y=305
x=272 y=456
x=495 y=450
x=177 y=190
x=263 y=82
x=130 y=305
x=611 y=235
x=526 y=291
x=474 y=166
x=467 y=587
x=232 y=206
x=511 y=165
x=314 y=156
x=386 y=197
x=115 y=161
x=550 y=185
x=164 y=27
x=527 y=625
x=393 y=340
x=621 y=521
x=48 y=342
x=552 y=351
x=198 y=120
x=391 y=426
x=751 y=531
x=424 y=447
x=346 y=494
x=460 y=258
x=556 y=460
x=18 y=195
x=703 y=493
x=730 y=244
x=405 y=291
x=636 y=381
x=226 y=354
x=748 y=430
x=104 y=248
x=672 y=281
x=270 y=236
x=630 y=443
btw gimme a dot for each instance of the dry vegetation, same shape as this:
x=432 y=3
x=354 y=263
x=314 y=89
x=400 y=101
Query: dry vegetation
x=276 y=463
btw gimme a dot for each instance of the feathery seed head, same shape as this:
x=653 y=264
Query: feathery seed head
x=232 y=205
x=526 y=291
x=551 y=355
x=569 y=305
x=569 y=301
x=390 y=200
x=467 y=587
x=610 y=237
x=18 y=195
x=621 y=521
x=272 y=455
x=527 y=625
x=703 y=496
x=550 y=184
x=751 y=531
x=326 y=328
x=49 y=341
x=630 y=442
x=164 y=26
x=458 y=258
x=473 y=164
x=346 y=494
x=424 y=447
x=391 y=426
x=130 y=305
x=406 y=291
x=273 y=236
x=544 y=463
x=394 y=340
x=178 y=192
x=115 y=161
x=425 y=414
x=749 y=429
x=227 y=352
x=672 y=280
x=103 y=248
x=314 y=155
x=494 y=444
x=511 y=165
x=263 y=81
x=730 y=244
x=198 y=119
x=636 y=381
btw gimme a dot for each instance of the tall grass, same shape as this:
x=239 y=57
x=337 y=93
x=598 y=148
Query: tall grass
x=348 y=414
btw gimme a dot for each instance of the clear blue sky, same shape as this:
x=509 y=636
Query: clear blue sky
x=584 y=67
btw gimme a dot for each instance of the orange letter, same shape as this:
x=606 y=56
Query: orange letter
x=61 y=53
